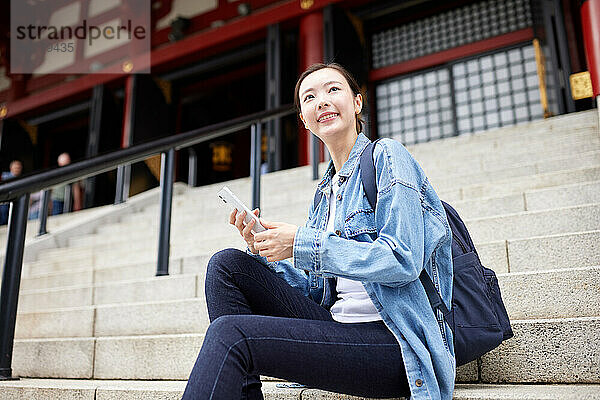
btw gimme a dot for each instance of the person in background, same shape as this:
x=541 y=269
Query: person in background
x=15 y=169
x=58 y=193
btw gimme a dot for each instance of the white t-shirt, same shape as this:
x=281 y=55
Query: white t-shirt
x=353 y=304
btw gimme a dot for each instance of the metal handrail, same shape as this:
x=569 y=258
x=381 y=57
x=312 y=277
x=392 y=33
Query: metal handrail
x=17 y=187
x=17 y=191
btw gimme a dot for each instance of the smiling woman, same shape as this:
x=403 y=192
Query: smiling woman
x=348 y=313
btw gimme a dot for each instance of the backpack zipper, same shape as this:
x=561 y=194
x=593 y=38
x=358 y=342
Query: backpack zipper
x=462 y=246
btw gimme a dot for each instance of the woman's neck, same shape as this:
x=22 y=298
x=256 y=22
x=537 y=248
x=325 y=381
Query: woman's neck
x=340 y=149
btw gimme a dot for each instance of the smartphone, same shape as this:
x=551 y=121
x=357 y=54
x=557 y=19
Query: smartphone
x=229 y=198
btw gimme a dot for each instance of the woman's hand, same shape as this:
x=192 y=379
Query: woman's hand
x=237 y=219
x=277 y=242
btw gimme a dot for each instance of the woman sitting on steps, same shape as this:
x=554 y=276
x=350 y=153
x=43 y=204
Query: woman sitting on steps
x=348 y=313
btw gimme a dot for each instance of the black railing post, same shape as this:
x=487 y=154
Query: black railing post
x=120 y=183
x=11 y=280
x=167 y=168
x=255 y=159
x=43 y=213
x=192 y=167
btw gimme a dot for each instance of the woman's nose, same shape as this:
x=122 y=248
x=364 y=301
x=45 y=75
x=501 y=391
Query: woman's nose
x=323 y=103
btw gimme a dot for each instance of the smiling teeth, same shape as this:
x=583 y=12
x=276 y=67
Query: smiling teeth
x=328 y=117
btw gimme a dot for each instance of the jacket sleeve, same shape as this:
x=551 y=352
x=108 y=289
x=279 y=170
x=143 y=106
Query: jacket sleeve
x=396 y=256
x=285 y=268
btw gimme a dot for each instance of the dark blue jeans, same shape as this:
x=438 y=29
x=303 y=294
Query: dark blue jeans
x=260 y=325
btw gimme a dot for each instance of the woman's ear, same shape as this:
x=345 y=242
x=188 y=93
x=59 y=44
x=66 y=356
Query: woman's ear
x=303 y=121
x=358 y=103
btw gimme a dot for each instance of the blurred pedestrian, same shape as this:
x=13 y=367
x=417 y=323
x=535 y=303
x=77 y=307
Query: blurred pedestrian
x=58 y=193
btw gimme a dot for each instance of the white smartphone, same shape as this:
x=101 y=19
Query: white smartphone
x=229 y=198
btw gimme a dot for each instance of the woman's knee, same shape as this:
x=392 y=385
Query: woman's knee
x=223 y=260
x=228 y=329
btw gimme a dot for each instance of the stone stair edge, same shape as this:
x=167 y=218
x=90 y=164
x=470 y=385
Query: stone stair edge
x=113 y=283
x=173 y=389
x=585 y=206
x=548 y=271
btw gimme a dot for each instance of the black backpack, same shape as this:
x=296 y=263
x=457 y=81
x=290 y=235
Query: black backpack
x=478 y=317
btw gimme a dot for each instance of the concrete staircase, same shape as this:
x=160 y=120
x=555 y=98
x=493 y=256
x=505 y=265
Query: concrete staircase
x=95 y=323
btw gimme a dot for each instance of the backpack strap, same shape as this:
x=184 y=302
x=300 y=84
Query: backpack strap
x=432 y=294
x=368 y=176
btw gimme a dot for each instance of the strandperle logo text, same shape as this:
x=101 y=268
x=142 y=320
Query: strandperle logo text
x=82 y=31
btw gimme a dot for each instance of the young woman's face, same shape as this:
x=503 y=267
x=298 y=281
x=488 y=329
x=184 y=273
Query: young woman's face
x=327 y=104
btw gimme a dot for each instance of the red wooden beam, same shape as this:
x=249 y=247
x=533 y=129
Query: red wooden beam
x=235 y=30
x=225 y=11
x=258 y=20
x=451 y=54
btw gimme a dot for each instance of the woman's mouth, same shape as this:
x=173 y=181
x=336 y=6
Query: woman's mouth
x=327 y=117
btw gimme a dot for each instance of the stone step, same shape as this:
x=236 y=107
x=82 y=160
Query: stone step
x=518 y=152
x=581 y=193
x=302 y=193
x=559 y=293
x=512 y=170
x=554 y=251
x=438 y=165
x=148 y=318
x=300 y=201
x=543 y=350
x=99 y=274
x=535 y=223
x=550 y=351
x=142 y=290
x=560 y=251
x=68 y=389
x=555 y=197
x=520 y=142
x=536 y=130
x=488 y=229
x=522 y=184
x=565 y=293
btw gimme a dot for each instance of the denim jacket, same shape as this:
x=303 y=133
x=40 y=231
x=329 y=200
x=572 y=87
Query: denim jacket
x=385 y=249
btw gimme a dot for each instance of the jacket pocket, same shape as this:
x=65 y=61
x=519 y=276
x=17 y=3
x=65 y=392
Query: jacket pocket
x=360 y=222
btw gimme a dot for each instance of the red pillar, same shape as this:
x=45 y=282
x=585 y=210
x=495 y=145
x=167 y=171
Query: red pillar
x=311 y=51
x=590 y=22
x=127 y=113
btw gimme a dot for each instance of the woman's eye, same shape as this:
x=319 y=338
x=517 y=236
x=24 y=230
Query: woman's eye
x=333 y=88
x=308 y=97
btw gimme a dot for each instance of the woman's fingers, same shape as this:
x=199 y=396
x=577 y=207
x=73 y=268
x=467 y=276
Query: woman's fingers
x=247 y=232
x=239 y=220
x=232 y=217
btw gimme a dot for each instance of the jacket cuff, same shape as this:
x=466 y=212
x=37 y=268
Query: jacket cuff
x=307 y=244
x=257 y=256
